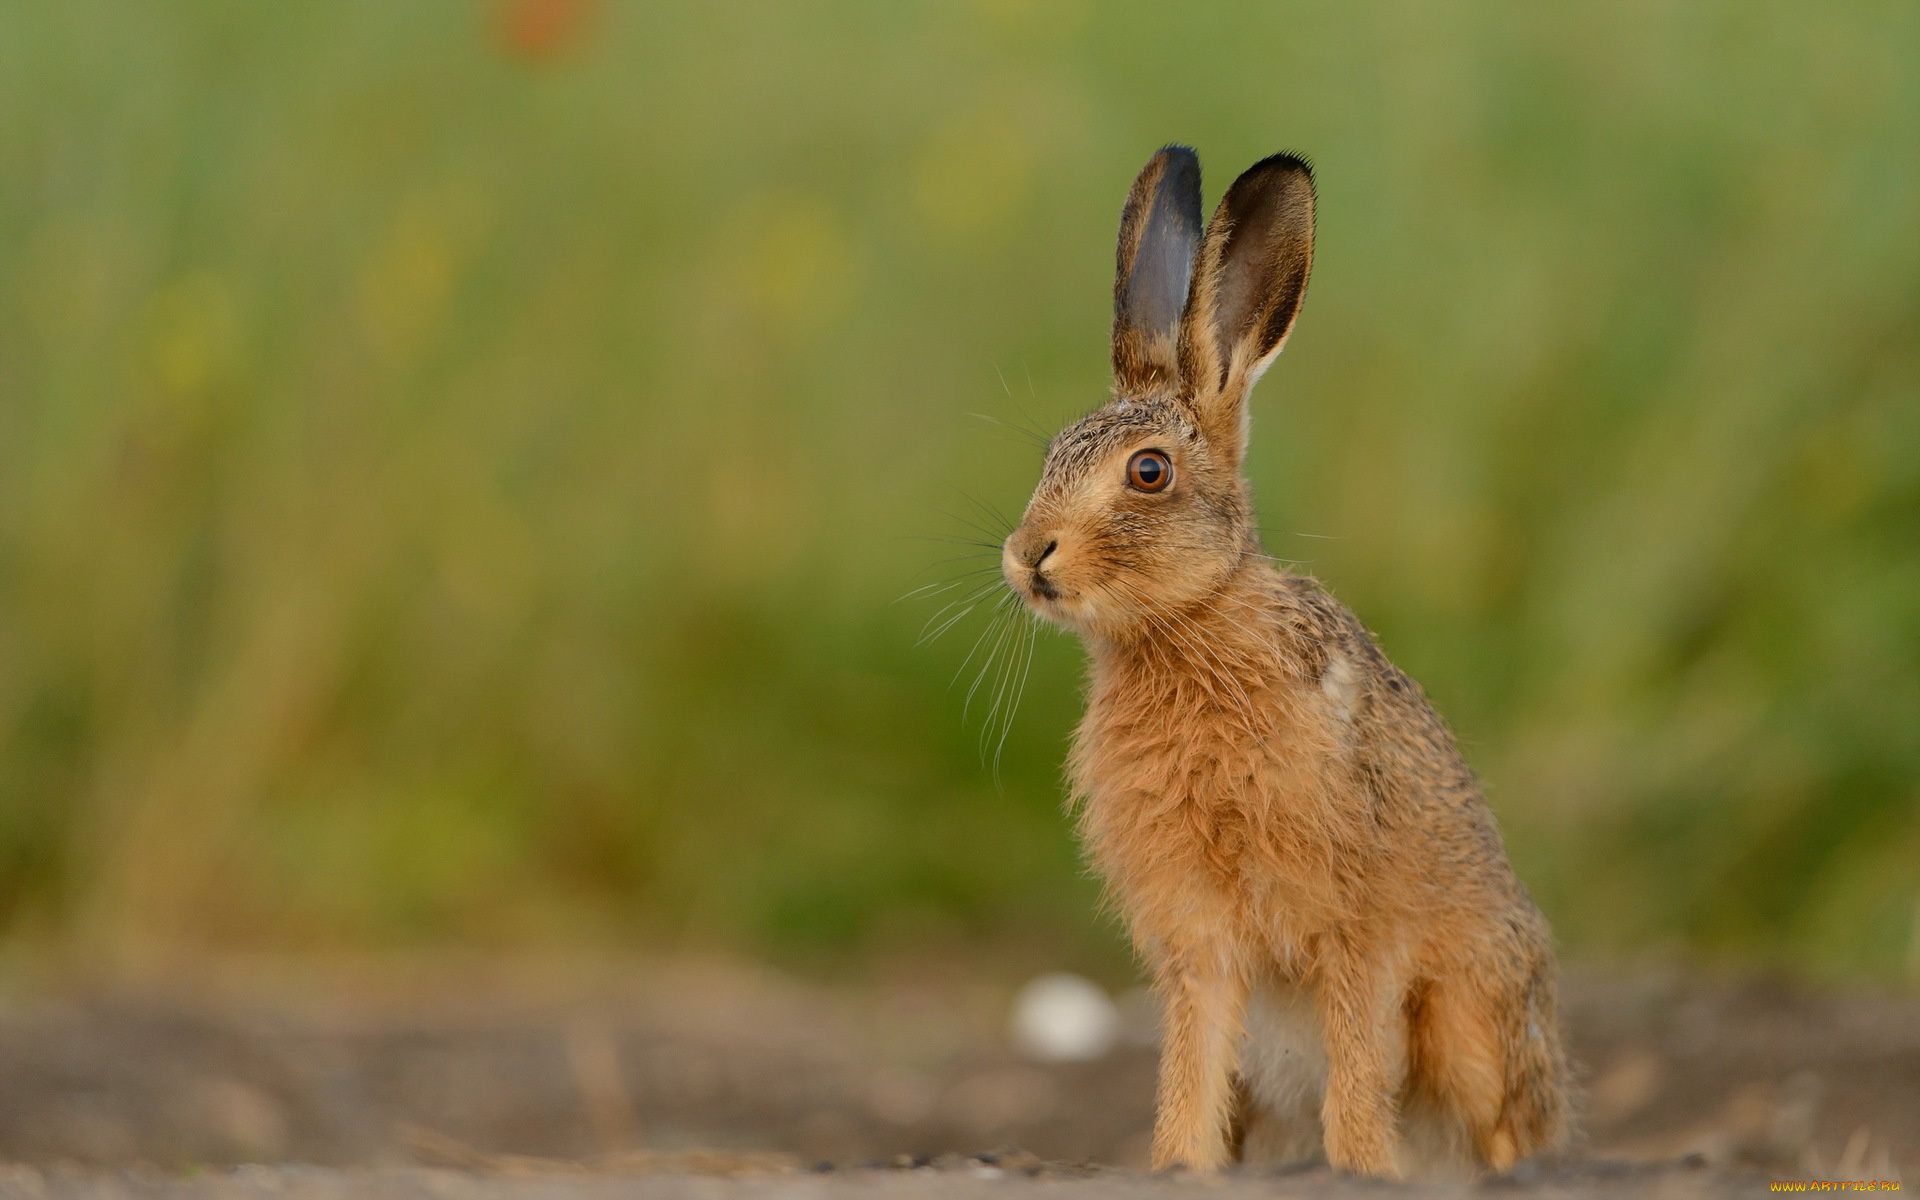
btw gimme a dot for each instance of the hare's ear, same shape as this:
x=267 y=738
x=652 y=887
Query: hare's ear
x=1159 y=234
x=1246 y=292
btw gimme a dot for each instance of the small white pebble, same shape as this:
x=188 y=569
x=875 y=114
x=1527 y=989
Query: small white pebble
x=1064 y=1018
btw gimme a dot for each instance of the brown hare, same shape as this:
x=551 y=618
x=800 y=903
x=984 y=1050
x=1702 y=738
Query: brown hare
x=1302 y=857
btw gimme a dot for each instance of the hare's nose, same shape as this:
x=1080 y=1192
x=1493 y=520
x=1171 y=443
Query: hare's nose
x=1025 y=551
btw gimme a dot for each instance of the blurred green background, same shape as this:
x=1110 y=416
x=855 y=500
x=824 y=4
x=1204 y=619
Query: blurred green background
x=460 y=463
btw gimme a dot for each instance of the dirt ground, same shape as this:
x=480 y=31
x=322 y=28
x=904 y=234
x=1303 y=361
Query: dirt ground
x=719 y=1080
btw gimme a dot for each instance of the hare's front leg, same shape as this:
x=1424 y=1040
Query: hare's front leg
x=1358 y=1013
x=1199 y=1041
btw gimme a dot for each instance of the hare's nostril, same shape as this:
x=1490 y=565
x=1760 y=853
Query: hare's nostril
x=1047 y=553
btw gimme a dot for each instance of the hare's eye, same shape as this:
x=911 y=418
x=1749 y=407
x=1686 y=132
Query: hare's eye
x=1149 y=471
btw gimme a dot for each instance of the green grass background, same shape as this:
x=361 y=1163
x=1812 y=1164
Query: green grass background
x=452 y=494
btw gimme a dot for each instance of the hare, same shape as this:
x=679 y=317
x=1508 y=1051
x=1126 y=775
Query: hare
x=1303 y=859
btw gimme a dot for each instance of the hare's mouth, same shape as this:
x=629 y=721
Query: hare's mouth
x=1046 y=597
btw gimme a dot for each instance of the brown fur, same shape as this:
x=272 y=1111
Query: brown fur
x=1282 y=819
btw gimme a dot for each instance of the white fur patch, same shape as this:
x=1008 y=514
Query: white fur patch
x=1283 y=1059
x=1340 y=684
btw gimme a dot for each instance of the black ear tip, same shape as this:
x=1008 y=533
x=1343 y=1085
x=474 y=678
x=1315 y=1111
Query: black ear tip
x=1179 y=183
x=1284 y=163
x=1181 y=161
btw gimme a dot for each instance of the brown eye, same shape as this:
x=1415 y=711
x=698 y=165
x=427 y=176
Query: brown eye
x=1149 y=471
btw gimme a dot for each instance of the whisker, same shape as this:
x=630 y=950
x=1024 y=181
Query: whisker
x=965 y=604
x=1028 y=435
x=922 y=537
x=1019 y=692
x=1026 y=416
x=942 y=586
x=935 y=634
x=982 y=530
x=991 y=513
x=1000 y=681
x=971 y=651
x=1001 y=623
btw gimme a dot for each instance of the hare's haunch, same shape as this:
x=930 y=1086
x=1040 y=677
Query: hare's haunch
x=1302 y=857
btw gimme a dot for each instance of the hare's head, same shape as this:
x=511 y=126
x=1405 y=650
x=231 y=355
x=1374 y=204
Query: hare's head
x=1141 y=508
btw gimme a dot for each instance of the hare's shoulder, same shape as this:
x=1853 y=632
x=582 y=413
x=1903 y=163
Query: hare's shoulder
x=1403 y=732
x=1325 y=634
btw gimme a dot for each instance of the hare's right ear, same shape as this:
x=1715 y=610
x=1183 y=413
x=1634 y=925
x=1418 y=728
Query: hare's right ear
x=1159 y=235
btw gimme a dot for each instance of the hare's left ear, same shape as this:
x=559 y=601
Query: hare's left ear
x=1247 y=286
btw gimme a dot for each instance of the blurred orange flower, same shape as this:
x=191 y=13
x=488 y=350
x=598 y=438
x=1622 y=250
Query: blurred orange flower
x=542 y=30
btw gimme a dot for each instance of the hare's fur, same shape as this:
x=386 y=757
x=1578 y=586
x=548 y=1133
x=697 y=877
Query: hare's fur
x=1301 y=855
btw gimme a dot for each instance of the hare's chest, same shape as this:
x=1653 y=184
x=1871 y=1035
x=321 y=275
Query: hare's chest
x=1210 y=824
x=1193 y=805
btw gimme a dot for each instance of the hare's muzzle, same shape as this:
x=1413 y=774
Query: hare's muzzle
x=1023 y=560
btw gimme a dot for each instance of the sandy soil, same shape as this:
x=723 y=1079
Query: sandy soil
x=975 y=1179
x=713 y=1080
